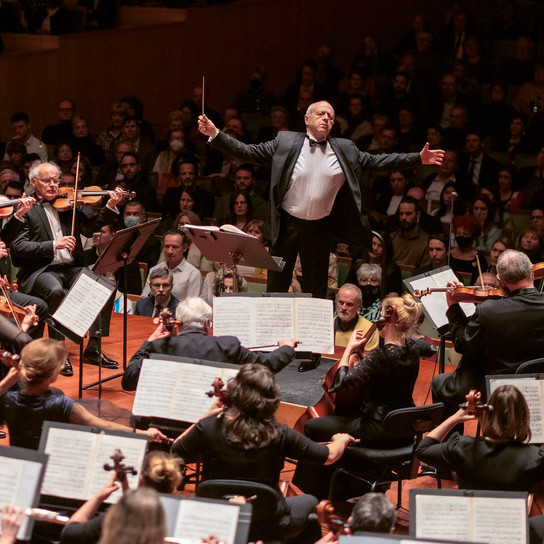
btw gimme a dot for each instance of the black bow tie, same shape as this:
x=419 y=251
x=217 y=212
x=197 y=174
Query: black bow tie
x=322 y=143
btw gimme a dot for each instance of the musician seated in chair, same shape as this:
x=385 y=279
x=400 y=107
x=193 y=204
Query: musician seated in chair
x=368 y=388
x=241 y=440
x=194 y=317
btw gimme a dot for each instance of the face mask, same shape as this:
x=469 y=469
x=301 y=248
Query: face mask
x=131 y=221
x=176 y=145
x=464 y=241
x=370 y=292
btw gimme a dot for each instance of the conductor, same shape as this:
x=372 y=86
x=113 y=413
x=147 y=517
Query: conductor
x=314 y=191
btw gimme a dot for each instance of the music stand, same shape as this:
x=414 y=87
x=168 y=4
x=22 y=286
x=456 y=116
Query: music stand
x=225 y=246
x=120 y=251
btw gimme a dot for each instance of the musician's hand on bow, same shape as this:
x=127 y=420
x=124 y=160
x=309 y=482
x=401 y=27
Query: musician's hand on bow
x=287 y=342
x=115 y=197
x=154 y=435
x=31 y=318
x=206 y=127
x=431 y=156
x=66 y=242
x=25 y=204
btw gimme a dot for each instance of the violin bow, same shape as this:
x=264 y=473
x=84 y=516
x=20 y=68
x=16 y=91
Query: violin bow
x=3 y=283
x=75 y=196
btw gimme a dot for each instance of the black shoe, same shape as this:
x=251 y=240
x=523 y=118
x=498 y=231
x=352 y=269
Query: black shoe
x=97 y=358
x=67 y=370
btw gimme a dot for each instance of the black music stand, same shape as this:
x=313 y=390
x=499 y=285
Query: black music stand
x=232 y=248
x=121 y=250
x=81 y=308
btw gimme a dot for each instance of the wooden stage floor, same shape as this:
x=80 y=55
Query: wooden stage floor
x=139 y=329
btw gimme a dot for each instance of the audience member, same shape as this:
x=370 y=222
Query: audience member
x=161 y=282
x=22 y=132
x=61 y=131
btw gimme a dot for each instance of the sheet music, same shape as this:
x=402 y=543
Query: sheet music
x=315 y=324
x=499 y=521
x=531 y=389
x=233 y=316
x=18 y=482
x=184 y=399
x=82 y=304
x=262 y=321
x=197 y=520
x=134 y=451
x=443 y=517
x=471 y=519
x=435 y=303
x=71 y=453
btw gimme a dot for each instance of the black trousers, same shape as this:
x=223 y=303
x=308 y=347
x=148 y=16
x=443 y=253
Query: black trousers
x=312 y=240
x=52 y=285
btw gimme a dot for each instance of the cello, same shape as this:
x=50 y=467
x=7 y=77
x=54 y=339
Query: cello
x=326 y=405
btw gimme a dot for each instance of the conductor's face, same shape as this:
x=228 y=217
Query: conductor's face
x=320 y=120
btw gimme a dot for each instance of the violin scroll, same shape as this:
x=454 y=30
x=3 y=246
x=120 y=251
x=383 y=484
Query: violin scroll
x=218 y=391
x=474 y=405
x=326 y=516
x=120 y=468
x=166 y=319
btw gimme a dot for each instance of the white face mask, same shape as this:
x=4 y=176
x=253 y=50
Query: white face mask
x=176 y=145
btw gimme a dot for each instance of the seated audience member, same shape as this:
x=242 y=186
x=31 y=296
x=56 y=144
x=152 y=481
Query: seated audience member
x=135 y=214
x=247 y=443
x=241 y=209
x=16 y=152
x=160 y=297
x=85 y=178
x=107 y=138
x=464 y=256
x=486 y=345
x=530 y=243
x=487 y=281
x=510 y=199
x=24 y=410
x=61 y=131
x=195 y=341
x=515 y=140
x=532 y=182
x=371 y=142
x=348 y=303
x=160 y=471
x=83 y=142
x=194 y=255
x=434 y=184
x=427 y=222
x=369 y=278
x=187 y=173
x=7 y=175
x=224 y=283
x=392 y=195
x=187 y=279
x=447 y=204
x=438 y=253
x=279 y=121
x=22 y=133
x=64 y=154
x=244 y=180
x=354 y=122
x=143 y=145
x=484 y=211
x=537 y=220
x=410 y=241
x=499 y=247
x=110 y=172
x=498 y=459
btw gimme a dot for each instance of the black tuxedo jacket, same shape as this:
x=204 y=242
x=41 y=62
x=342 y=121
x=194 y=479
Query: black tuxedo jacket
x=196 y=344
x=349 y=214
x=33 y=248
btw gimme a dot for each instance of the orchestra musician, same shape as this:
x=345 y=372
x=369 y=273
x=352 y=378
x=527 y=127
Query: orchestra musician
x=242 y=440
x=498 y=337
x=50 y=257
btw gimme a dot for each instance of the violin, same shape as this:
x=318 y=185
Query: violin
x=89 y=196
x=538 y=271
x=165 y=318
x=326 y=516
x=121 y=470
x=7 y=205
x=218 y=391
x=326 y=405
x=465 y=294
x=474 y=405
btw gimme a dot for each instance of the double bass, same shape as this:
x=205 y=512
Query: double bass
x=326 y=405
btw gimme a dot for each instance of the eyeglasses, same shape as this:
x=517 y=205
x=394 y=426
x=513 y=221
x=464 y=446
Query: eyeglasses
x=54 y=181
x=159 y=285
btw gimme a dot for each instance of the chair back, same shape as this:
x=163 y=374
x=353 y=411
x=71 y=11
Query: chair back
x=264 y=505
x=534 y=366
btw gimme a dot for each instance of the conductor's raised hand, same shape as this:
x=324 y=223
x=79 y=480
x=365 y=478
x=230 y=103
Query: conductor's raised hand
x=431 y=156
x=66 y=242
x=207 y=127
